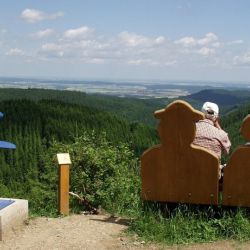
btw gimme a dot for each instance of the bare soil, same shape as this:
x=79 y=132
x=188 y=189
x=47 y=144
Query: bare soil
x=89 y=232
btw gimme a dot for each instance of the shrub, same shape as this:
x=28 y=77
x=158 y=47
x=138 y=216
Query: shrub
x=105 y=174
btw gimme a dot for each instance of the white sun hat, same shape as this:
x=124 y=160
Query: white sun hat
x=210 y=107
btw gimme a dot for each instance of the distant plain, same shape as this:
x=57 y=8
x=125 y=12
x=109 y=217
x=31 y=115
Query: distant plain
x=141 y=90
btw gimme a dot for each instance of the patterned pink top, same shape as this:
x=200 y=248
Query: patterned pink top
x=211 y=138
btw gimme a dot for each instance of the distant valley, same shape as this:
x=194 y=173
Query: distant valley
x=140 y=90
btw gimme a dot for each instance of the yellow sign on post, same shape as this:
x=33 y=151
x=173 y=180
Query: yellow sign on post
x=63 y=188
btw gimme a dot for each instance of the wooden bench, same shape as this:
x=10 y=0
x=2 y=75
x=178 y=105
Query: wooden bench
x=236 y=184
x=178 y=171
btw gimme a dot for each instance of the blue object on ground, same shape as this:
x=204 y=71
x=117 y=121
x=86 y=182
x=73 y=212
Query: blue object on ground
x=7 y=145
x=5 y=203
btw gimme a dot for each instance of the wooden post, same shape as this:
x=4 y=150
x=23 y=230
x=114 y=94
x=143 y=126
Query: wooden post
x=63 y=188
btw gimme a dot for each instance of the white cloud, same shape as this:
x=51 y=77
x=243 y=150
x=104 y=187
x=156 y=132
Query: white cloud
x=142 y=61
x=15 y=52
x=209 y=37
x=51 y=50
x=79 y=33
x=75 y=47
x=216 y=44
x=64 y=49
x=134 y=40
x=32 y=15
x=190 y=41
x=186 y=41
x=128 y=48
x=51 y=46
x=205 y=51
x=43 y=33
x=243 y=60
x=96 y=61
x=160 y=40
x=82 y=45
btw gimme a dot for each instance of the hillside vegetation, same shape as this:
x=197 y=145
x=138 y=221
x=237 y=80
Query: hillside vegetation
x=35 y=126
x=222 y=96
x=105 y=150
x=228 y=100
x=135 y=110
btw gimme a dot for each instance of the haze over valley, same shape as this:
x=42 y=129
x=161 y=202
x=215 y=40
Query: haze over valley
x=142 y=90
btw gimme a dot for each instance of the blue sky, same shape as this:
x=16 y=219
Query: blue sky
x=126 y=39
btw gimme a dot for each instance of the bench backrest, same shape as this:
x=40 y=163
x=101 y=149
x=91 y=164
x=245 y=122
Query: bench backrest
x=176 y=170
x=236 y=183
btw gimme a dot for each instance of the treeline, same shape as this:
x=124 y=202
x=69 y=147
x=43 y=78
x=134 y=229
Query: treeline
x=232 y=123
x=135 y=110
x=33 y=126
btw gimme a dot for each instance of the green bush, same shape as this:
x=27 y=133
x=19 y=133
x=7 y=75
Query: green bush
x=105 y=174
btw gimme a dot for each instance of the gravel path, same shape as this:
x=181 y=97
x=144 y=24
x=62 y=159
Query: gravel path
x=88 y=232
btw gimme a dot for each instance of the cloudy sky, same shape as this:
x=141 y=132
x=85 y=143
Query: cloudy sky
x=126 y=39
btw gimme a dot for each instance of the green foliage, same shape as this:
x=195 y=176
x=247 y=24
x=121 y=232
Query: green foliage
x=231 y=123
x=33 y=126
x=105 y=174
x=135 y=110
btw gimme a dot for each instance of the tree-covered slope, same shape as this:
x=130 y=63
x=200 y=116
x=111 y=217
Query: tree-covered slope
x=222 y=97
x=135 y=110
x=33 y=126
x=232 y=123
x=228 y=99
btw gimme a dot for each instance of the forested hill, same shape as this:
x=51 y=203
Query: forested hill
x=232 y=123
x=135 y=110
x=52 y=119
x=222 y=96
x=74 y=111
x=33 y=126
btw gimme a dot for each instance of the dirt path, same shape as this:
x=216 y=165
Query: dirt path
x=88 y=232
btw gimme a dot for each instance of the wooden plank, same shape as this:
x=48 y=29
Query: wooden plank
x=176 y=170
x=63 y=189
x=236 y=185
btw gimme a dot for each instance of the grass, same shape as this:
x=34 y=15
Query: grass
x=185 y=224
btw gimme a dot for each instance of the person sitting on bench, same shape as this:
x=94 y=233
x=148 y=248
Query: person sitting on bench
x=209 y=133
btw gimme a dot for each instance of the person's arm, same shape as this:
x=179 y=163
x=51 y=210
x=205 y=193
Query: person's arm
x=217 y=124
x=225 y=141
x=226 y=144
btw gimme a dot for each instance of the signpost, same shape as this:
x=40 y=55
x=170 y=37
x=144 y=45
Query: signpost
x=63 y=188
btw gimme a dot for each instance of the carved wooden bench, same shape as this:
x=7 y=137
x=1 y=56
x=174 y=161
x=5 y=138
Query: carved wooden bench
x=236 y=184
x=178 y=171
